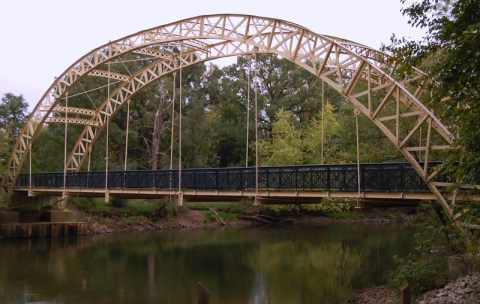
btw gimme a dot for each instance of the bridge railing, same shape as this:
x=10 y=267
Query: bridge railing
x=387 y=177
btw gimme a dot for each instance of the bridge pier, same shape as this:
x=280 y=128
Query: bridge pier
x=180 y=199
x=31 y=201
x=40 y=224
x=64 y=200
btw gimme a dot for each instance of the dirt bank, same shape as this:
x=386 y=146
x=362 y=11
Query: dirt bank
x=196 y=219
x=188 y=219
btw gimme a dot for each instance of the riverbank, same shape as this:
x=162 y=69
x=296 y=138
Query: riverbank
x=197 y=219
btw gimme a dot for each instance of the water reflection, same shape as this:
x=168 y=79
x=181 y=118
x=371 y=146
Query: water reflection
x=322 y=264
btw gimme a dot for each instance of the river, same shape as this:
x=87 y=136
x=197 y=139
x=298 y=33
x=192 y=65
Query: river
x=291 y=264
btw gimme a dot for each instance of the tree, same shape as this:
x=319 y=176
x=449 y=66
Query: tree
x=312 y=142
x=13 y=111
x=286 y=145
x=158 y=126
x=449 y=53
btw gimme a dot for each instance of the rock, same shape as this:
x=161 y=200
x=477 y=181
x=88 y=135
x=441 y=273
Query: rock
x=379 y=294
x=464 y=290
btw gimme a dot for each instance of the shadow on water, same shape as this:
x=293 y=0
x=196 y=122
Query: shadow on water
x=295 y=264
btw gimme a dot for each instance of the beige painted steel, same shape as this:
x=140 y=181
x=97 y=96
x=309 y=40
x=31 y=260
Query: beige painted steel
x=232 y=194
x=366 y=77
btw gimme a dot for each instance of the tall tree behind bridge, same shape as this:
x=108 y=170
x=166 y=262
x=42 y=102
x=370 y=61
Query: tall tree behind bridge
x=450 y=53
x=13 y=113
x=153 y=144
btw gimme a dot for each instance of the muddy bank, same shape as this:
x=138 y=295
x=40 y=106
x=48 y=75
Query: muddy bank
x=194 y=219
x=191 y=219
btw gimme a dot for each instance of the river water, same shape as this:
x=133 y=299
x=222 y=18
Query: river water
x=292 y=264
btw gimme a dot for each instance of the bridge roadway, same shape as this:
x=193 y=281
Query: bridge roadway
x=280 y=184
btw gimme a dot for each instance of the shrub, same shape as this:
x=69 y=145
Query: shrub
x=435 y=239
x=422 y=274
x=118 y=202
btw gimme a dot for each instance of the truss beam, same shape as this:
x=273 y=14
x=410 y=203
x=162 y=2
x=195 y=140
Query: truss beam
x=363 y=75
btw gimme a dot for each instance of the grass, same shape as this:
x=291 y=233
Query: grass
x=124 y=208
x=227 y=207
x=228 y=211
x=326 y=207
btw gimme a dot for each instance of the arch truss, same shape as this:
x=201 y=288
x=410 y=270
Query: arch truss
x=364 y=76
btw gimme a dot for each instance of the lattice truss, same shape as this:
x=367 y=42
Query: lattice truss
x=364 y=76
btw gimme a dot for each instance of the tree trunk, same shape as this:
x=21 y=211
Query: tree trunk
x=157 y=125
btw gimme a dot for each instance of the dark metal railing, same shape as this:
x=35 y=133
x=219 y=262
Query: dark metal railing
x=394 y=177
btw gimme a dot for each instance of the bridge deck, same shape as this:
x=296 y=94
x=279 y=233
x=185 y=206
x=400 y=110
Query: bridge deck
x=227 y=195
x=310 y=183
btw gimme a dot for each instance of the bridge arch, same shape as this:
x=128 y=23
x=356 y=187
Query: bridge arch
x=364 y=76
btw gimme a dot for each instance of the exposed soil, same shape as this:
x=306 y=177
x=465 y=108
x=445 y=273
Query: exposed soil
x=188 y=219
x=374 y=295
x=195 y=219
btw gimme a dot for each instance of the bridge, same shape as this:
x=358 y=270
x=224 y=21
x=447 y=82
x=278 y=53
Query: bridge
x=363 y=76
x=388 y=183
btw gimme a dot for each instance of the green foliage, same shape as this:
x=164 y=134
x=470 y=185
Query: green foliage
x=124 y=208
x=13 y=113
x=91 y=205
x=118 y=202
x=422 y=275
x=334 y=208
x=449 y=53
x=4 y=200
x=145 y=209
x=227 y=207
x=426 y=268
x=286 y=145
x=336 y=205
x=327 y=127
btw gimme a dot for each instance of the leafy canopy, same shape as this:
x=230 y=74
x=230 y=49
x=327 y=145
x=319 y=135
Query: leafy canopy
x=450 y=53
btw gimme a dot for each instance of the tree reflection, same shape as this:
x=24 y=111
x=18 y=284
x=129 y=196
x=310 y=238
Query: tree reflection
x=281 y=265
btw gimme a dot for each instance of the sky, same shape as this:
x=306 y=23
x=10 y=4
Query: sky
x=42 y=38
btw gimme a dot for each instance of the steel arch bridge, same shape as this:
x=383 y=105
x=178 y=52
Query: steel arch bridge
x=364 y=76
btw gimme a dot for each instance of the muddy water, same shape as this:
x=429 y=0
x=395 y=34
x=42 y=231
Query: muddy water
x=314 y=264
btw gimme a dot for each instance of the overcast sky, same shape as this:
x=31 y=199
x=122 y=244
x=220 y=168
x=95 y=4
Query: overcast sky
x=42 y=38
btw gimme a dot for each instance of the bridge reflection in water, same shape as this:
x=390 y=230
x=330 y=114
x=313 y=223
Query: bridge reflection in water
x=292 y=183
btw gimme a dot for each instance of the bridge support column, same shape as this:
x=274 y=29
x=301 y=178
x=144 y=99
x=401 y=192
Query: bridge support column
x=64 y=200
x=180 y=199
